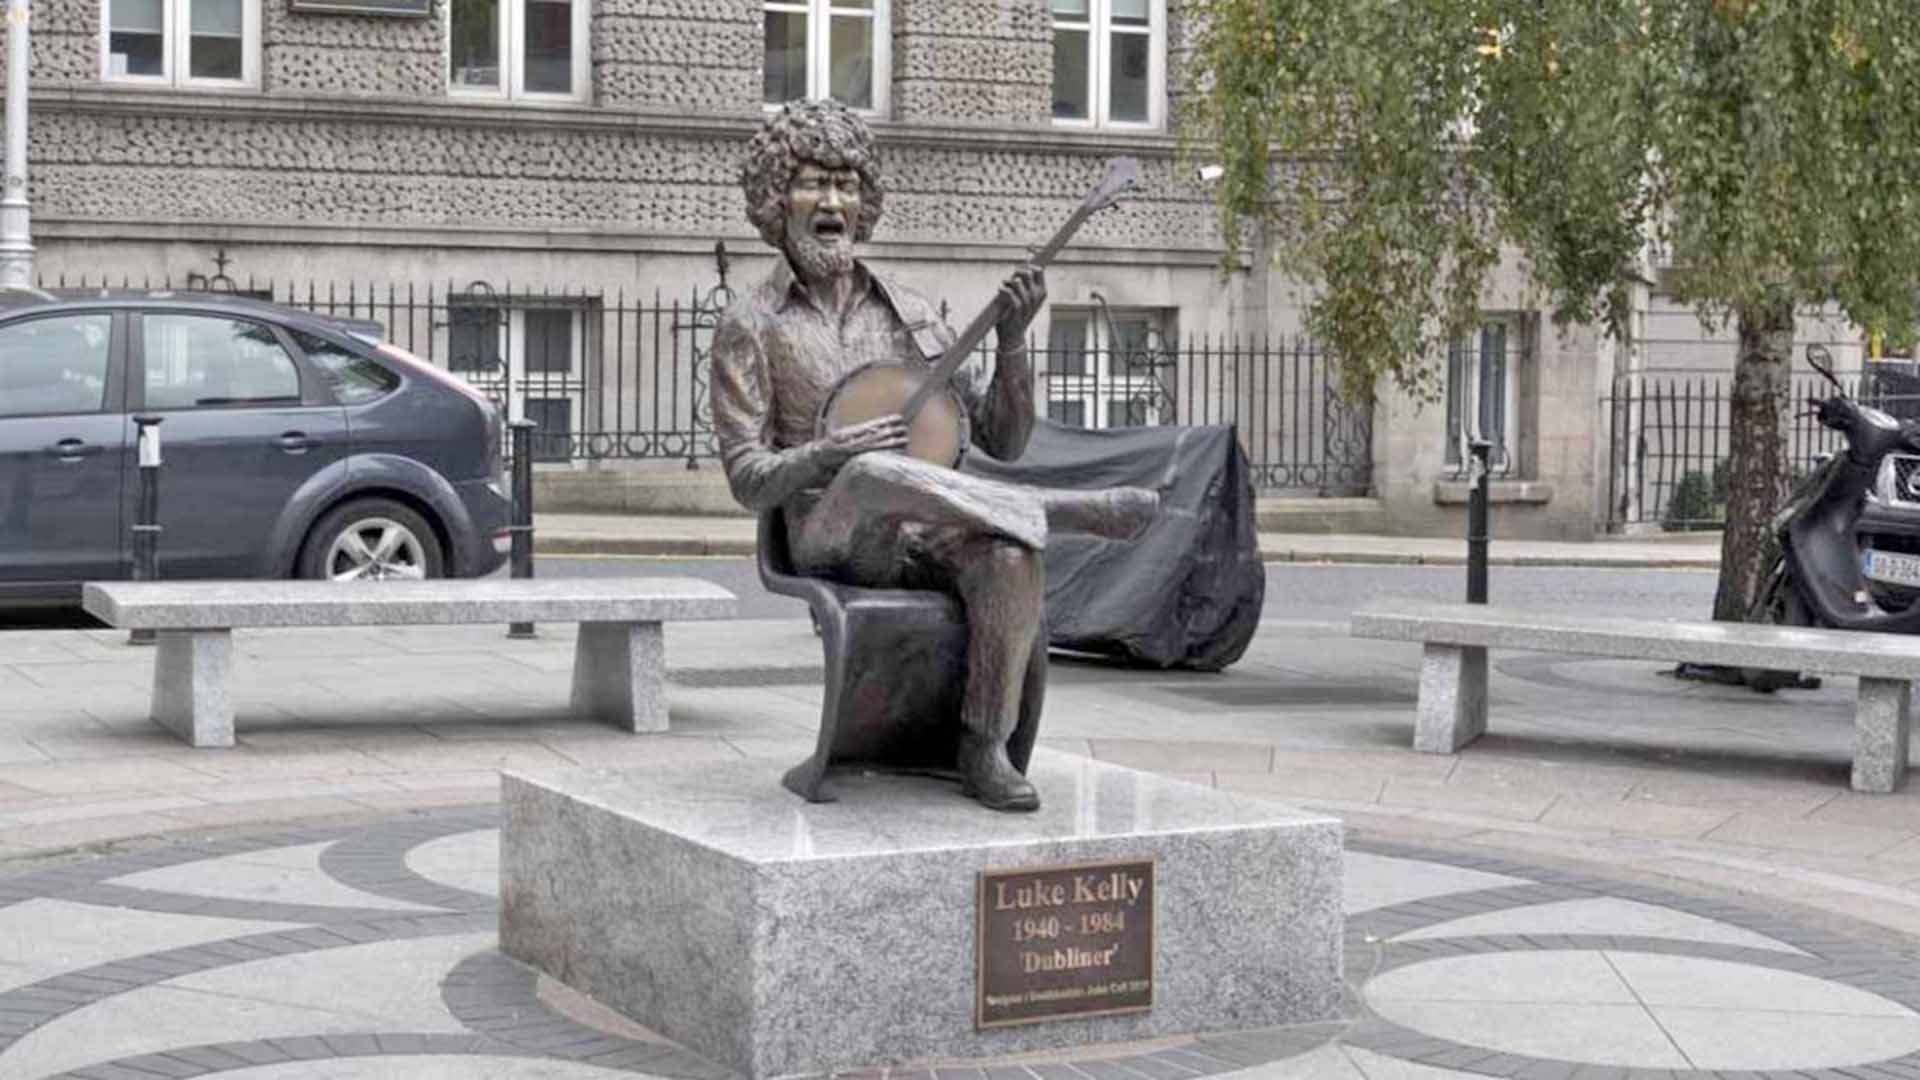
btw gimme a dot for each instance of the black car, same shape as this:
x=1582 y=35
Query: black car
x=294 y=445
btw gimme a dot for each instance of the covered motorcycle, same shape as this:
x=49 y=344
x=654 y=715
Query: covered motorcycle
x=1188 y=593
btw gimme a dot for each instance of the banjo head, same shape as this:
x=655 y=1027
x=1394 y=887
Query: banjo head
x=939 y=434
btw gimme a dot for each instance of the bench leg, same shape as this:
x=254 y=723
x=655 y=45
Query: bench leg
x=1453 y=698
x=619 y=675
x=190 y=685
x=1880 y=727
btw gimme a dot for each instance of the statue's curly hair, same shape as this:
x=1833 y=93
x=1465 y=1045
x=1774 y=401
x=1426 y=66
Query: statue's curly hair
x=824 y=133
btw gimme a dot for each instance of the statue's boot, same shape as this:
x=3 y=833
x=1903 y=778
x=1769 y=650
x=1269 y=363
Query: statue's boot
x=1003 y=587
x=1116 y=513
x=988 y=776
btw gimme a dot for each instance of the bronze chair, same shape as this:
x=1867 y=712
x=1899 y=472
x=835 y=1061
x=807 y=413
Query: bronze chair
x=896 y=668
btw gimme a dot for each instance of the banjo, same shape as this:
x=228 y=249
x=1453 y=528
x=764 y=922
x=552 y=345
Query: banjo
x=937 y=425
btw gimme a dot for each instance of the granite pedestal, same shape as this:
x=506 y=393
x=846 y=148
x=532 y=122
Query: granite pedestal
x=779 y=937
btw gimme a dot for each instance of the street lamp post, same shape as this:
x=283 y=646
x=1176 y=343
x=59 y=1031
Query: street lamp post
x=16 y=231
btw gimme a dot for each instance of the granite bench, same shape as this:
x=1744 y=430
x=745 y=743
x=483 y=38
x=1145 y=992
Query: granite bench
x=619 y=661
x=1452 y=709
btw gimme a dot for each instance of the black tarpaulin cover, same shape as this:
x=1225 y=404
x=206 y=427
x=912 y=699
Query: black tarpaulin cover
x=1187 y=593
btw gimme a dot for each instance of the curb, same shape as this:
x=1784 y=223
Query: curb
x=726 y=547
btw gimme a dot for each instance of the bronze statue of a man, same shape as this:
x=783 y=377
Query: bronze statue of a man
x=856 y=510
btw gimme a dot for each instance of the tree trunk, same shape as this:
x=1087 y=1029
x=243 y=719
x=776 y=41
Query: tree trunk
x=1758 y=468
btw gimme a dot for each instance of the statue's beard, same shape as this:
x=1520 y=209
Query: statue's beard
x=818 y=259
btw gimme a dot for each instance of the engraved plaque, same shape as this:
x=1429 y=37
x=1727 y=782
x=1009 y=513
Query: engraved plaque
x=1061 y=941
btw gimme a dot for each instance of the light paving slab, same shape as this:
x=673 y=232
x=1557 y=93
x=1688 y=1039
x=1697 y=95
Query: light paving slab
x=1594 y=1034
x=157 y=1018
x=1601 y=915
x=1377 y=881
x=1697 y=982
x=395 y=984
x=469 y=860
x=1766 y=831
x=1635 y=818
x=1517 y=804
x=1572 y=977
x=1748 y=1040
x=1185 y=757
x=110 y=776
x=1296 y=785
x=73 y=834
x=41 y=938
x=290 y=875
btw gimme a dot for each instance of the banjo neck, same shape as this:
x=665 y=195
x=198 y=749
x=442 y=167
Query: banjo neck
x=976 y=331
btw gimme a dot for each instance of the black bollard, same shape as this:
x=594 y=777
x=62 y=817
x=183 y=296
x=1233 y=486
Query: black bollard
x=146 y=518
x=520 y=558
x=1482 y=451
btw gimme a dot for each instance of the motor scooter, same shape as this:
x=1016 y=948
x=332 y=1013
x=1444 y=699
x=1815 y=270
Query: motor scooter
x=1821 y=576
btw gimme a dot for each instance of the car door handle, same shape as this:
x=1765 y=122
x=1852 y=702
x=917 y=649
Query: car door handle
x=297 y=442
x=72 y=449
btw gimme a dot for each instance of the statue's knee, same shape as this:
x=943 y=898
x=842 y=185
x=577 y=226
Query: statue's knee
x=1015 y=562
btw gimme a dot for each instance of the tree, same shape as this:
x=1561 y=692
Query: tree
x=1394 y=149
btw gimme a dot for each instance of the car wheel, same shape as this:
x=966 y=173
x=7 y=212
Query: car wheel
x=372 y=540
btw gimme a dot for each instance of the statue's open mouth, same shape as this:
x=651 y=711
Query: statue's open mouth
x=829 y=228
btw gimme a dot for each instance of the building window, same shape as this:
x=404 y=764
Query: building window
x=828 y=48
x=531 y=49
x=191 y=43
x=535 y=357
x=1102 y=367
x=552 y=437
x=1483 y=394
x=1109 y=62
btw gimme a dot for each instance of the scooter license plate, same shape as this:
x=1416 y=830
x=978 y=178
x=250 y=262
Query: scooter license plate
x=1892 y=567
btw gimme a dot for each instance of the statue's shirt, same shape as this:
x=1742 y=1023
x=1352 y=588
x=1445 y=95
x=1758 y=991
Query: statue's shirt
x=777 y=356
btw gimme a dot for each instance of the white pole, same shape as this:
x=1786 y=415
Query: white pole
x=16 y=230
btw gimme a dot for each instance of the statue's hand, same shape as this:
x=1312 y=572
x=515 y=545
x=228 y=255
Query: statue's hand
x=880 y=433
x=1021 y=297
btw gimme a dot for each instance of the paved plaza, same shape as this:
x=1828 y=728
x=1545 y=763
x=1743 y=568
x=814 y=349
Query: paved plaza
x=1626 y=873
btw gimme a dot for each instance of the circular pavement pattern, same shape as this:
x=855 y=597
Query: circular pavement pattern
x=367 y=953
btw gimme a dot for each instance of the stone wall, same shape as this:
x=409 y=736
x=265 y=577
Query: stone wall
x=973 y=62
x=239 y=161
x=699 y=56
x=66 y=41
x=305 y=54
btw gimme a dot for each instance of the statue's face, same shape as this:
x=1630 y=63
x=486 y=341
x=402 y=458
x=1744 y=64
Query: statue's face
x=823 y=207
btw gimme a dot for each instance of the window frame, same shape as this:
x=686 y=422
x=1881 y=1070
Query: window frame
x=1103 y=379
x=1099 y=27
x=511 y=42
x=176 y=43
x=1502 y=461
x=820 y=15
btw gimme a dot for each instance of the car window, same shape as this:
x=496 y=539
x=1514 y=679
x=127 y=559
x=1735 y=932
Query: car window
x=54 y=365
x=354 y=378
x=203 y=361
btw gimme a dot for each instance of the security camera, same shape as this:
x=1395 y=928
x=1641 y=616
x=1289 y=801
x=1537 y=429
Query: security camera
x=1210 y=173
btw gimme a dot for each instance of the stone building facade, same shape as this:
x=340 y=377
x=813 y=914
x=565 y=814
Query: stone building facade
x=592 y=146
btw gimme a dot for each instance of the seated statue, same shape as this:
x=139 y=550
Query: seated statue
x=858 y=509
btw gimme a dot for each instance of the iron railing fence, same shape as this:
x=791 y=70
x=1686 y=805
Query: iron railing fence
x=1669 y=439
x=625 y=377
